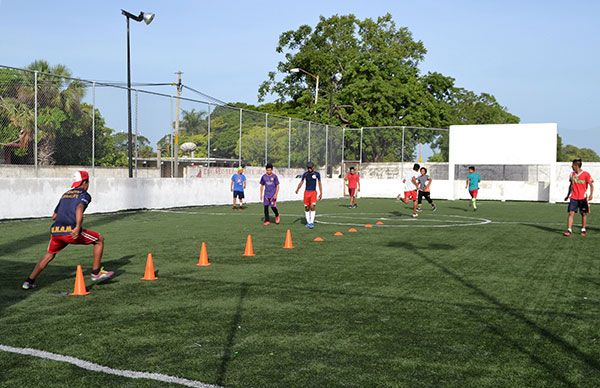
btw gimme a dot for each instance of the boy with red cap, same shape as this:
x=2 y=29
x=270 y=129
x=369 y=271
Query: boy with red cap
x=68 y=229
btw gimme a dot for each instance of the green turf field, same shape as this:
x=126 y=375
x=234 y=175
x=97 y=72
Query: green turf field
x=454 y=298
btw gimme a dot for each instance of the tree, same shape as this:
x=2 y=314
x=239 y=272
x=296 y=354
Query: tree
x=381 y=85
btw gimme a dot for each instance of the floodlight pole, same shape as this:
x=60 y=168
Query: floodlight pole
x=138 y=18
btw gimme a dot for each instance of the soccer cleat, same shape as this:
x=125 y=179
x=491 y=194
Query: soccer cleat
x=419 y=210
x=583 y=233
x=311 y=225
x=103 y=275
x=266 y=223
x=415 y=215
x=277 y=220
x=234 y=207
x=28 y=286
x=349 y=206
x=434 y=208
x=354 y=206
x=567 y=234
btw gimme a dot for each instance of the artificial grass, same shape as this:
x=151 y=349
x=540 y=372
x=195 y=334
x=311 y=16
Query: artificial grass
x=433 y=302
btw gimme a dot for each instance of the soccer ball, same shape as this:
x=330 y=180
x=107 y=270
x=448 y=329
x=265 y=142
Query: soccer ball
x=188 y=147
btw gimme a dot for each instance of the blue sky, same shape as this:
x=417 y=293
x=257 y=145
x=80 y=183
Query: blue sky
x=541 y=59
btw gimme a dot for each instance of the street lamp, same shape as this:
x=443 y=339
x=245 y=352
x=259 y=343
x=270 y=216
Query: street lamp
x=147 y=18
x=316 y=77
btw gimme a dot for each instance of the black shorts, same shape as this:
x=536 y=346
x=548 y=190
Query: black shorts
x=238 y=194
x=578 y=204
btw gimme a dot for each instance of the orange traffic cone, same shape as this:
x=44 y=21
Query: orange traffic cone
x=79 y=288
x=249 y=250
x=149 y=273
x=319 y=239
x=368 y=226
x=203 y=260
x=379 y=223
x=288 y=240
x=338 y=234
x=352 y=230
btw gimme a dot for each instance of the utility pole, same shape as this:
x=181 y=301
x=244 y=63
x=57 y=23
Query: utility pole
x=177 y=107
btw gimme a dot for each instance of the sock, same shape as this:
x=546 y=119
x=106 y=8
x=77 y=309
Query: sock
x=570 y=230
x=313 y=214
x=275 y=211
x=96 y=271
x=583 y=229
x=266 y=213
x=307 y=213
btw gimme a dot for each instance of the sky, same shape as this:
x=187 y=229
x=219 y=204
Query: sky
x=540 y=59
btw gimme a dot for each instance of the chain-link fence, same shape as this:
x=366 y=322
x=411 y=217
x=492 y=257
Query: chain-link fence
x=49 y=119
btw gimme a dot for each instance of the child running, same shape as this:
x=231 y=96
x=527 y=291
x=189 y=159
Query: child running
x=68 y=229
x=411 y=184
x=353 y=182
x=237 y=186
x=269 y=189
x=579 y=181
x=311 y=177
x=424 y=189
x=472 y=184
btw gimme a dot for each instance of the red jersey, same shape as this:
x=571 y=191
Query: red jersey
x=579 y=184
x=353 y=180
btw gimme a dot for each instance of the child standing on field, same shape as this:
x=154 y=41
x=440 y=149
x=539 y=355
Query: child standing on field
x=269 y=189
x=353 y=181
x=237 y=186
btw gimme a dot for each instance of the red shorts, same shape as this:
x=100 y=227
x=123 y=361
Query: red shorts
x=352 y=191
x=473 y=193
x=310 y=198
x=410 y=195
x=86 y=237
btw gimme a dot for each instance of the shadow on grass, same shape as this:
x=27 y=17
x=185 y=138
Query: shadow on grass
x=565 y=346
x=13 y=273
x=544 y=228
x=27 y=241
x=233 y=327
x=464 y=209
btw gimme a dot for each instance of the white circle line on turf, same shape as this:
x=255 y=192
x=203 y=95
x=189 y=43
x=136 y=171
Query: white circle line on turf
x=470 y=221
x=104 y=369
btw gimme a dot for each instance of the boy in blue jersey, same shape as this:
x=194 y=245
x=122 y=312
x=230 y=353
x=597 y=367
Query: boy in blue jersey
x=68 y=229
x=311 y=177
x=472 y=184
x=237 y=186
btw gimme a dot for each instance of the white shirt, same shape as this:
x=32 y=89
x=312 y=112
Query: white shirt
x=409 y=185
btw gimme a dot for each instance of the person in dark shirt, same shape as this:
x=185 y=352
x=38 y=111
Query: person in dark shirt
x=311 y=177
x=68 y=229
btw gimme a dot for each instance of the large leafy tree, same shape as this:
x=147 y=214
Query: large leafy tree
x=381 y=85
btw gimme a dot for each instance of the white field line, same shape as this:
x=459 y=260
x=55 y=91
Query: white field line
x=104 y=369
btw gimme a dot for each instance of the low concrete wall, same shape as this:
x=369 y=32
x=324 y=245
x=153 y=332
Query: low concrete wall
x=21 y=171
x=37 y=197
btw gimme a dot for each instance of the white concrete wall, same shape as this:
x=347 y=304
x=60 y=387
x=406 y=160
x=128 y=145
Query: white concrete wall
x=22 y=171
x=37 y=197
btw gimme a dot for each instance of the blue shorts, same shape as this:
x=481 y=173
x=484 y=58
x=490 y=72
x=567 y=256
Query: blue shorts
x=238 y=194
x=579 y=204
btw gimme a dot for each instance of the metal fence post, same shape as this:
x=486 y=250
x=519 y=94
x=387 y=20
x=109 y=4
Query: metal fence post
x=35 y=121
x=240 y=149
x=135 y=144
x=94 y=128
x=171 y=139
x=360 y=159
x=289 y=142
x=208 y=138
x=266 y=138
x=309 y=125
x=326 y=145
x=402 y=160
x=343 y=145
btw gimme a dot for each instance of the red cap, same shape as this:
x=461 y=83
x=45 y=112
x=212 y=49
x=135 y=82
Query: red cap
x=79 y=177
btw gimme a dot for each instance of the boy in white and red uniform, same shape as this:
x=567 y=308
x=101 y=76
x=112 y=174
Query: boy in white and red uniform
x=410 y=188
x=579 y=181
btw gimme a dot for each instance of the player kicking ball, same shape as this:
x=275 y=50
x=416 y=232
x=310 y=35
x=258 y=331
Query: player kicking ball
x=353 y=182
x=579 y=181
x=311 y=177
x=411 y=184
x=269 y=189
x=68 y=229
x=472 y=185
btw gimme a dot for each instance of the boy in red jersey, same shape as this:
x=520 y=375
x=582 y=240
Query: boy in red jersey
x=579 y=181
x=68 y=229
x=353 y=182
